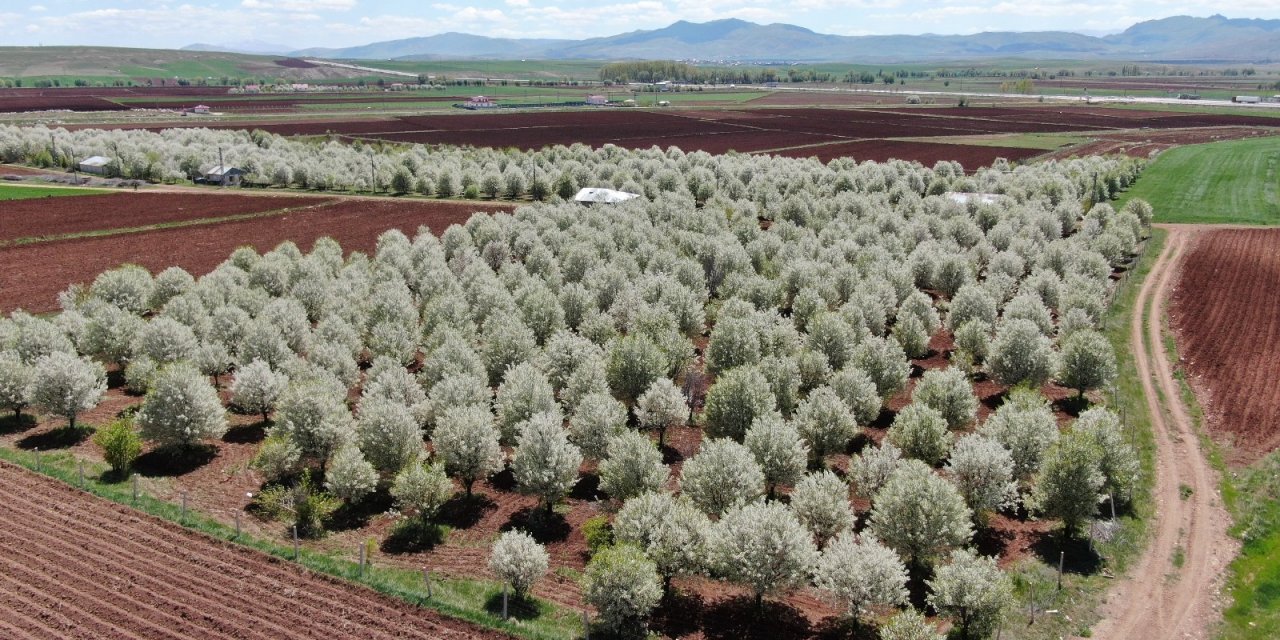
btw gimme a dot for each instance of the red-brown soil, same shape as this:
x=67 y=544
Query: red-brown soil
x=1224 y=312
x=31 y=275
x=18 y=104
x=970 y=157
x=39 y=217
x=91 y=568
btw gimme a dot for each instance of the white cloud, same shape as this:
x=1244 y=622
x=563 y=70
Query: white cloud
x=299 y=6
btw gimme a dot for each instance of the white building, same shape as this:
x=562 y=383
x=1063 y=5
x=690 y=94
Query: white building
x=226 y=176
x=597 y=195
x=597 y=100
x=96 y=165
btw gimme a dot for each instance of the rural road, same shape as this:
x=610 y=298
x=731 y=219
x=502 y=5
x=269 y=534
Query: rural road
x=1159 y=599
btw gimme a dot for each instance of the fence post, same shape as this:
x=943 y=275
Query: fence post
x=426 y=579
x=1062 y=557
x=81 y=469
x=183 y=517
x=586 y=626
x=37 y=452
x=504 y=601
x=135 y=489
x=295 y=543
x=362 y=552
x=1111 y=497
x=237 y=524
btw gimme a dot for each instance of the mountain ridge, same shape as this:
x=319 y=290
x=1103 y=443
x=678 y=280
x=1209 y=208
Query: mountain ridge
x=735 y=40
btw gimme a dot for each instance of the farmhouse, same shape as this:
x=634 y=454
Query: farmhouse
x=224 y=175
x=597 y=195
x=480 y=102
x=253 y=88
x=96 y=165
x=597 y=100
x=201 y=109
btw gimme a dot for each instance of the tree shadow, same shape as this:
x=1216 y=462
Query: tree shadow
x=354 y=515
x=587 y=487
x=16 y=424
x=884 y=420
x=1072 y=405
x=679 y=614
x=1079 y=558
x=115 y=379
x=413 y=535
x=175 y=461
x=738 y=617
x=60 y=438
x=246 y=433
x=544 y=527
x=503 y=480
x=461 y=512
x=670 y=455
x=992 y=542
x=518 y=607
x=917 y=591
x=846 y=628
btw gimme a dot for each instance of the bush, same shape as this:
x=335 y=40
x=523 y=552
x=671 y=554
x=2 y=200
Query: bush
x=909 y=625
x=821 y=503
x=736 y=399
x=349 y=475
x=973 y=591
x=120 y=445
x=825 y=423
x=278 y=457
x=670 y=530
x=423 y=488
x=950 y=392
x=466 y=440
x=65 y=385
x=622 y=584
x=861 y=574
x=919 y=514
x=920 y=432
x=722 y=476
x=1021 y=355
x=545 y=464
x=634 y=466
x=763 y=547
x=598 y=533
x=779 y=450
x=181 y=408
x=518 y=560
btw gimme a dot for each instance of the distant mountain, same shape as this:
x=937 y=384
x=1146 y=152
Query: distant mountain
x=445 y=45
x=1176 y=38
x=252 y=47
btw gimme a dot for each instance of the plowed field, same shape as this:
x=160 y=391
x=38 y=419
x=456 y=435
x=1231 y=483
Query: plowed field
x=76 y=566
x=1225 y=313
x=31 y=275
x=40 y=217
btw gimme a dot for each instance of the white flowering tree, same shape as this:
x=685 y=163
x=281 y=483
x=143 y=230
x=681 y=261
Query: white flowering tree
x=596 y=420
x=779 y=450
x=633 y=466
x=181 y=409
x=763 y=547
x=423 y=488
x=722 y=476
x=1088 y=361
x=466 y=440
x=349 y=475
x=670 y=530
x=545 y=463
x=861 y=573
x=821 y=503
x=65 y=385
x=622 y=583
x=871 y=469
x=950 y=392
x=920 y=515
x=1025 y=426
x=661 y=407
x=15 y=384
x=973 y=591
x=256 y=387
x=1021 y=354
x=388 y=434
x=518 y=560
x=983 y=471
x=920 y=432
x=736 y=399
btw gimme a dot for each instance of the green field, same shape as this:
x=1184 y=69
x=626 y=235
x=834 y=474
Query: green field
x=1254 y=583
x=17 y=192
x=1221 y=182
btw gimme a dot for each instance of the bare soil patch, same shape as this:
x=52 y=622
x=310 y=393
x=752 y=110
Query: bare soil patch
x=1224 y=312
x=92 y=568
x=32 y=275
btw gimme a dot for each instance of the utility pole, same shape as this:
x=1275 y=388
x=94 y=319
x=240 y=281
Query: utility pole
x=222 y=181
x=373 y=178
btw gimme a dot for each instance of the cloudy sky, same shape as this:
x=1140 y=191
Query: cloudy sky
x=337 y=23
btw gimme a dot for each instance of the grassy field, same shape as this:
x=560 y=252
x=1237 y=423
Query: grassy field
x=23 y=192
x=1220 y=182
x=1254 y=584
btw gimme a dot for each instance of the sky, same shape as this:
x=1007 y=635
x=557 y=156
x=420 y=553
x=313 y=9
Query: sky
x=342 y=23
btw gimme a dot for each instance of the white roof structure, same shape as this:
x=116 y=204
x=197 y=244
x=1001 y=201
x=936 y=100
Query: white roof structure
x=604 y=196
x=966 y=198
x=219 y=170
x=96 y=161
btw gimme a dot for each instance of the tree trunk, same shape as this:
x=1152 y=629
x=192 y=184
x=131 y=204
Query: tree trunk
x=466 y=484
x=264 y=416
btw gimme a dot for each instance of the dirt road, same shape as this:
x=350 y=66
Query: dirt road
x=1160 y=599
